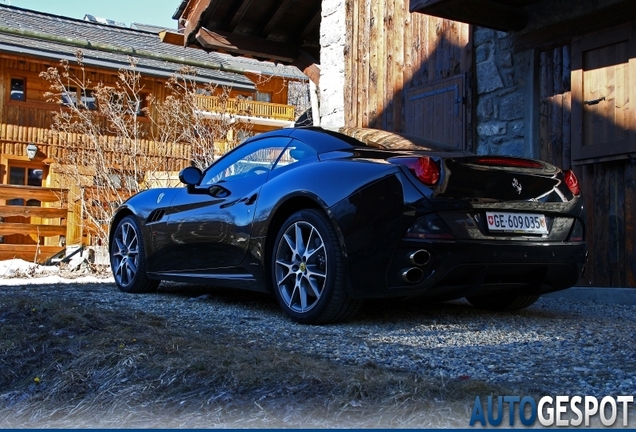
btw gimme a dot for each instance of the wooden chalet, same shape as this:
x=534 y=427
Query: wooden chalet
x=39 y=209
x=548 y=79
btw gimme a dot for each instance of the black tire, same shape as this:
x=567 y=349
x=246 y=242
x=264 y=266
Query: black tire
x=503 y=302
x=309 y=277
x=127 y=258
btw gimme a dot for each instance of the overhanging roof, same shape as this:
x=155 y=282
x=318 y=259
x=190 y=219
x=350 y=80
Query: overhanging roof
x=55 y=37
x=281 y=31
x=503 y=15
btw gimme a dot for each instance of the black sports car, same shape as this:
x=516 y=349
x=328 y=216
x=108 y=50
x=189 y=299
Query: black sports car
x=324 y=219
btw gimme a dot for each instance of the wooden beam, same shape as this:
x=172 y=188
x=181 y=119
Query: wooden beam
x=172 y=38
x=197 y=17
x=562 y=32
x=8 y=192
x=27 y=211
x=487 y=13
x=275 y=17
x=28 y=252
x=247 y=45
x=237 y=15
x=315 y=20
x=7 y=228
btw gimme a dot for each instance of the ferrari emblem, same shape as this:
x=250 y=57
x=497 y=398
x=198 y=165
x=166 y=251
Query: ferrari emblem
x=160 y=197
x=516 y=185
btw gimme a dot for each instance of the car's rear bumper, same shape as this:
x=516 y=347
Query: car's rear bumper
x=454 y=269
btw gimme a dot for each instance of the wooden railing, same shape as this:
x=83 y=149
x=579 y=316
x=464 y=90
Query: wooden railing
x=246 y=107
x=51 y=147
x=14 y=140
x=42 y=222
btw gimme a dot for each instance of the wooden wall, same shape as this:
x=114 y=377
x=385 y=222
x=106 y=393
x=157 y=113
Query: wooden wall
x=390 y=52
x=276 y=86
x=608 y=187
x=35 y=110
x=610 y=198
x=555 y=105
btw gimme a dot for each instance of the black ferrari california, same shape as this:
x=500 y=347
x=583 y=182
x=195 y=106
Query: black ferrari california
x=324 y=219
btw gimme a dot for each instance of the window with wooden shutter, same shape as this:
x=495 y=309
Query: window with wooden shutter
x=604 y=95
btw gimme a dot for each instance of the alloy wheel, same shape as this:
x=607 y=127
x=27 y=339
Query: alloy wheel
x=301 y=266
x=125 y=254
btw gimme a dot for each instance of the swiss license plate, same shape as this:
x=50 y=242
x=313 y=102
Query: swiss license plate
x=529 y=223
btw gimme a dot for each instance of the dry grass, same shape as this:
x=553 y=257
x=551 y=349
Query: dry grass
x=63 y=365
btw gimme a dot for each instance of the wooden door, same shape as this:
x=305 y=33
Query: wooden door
x=604 y=93
x=408 y=72
x=603 y=128
x=436 y=111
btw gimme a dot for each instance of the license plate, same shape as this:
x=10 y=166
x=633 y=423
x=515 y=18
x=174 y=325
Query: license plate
x=527 y=223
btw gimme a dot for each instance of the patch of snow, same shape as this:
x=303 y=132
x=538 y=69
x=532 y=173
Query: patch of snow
x=55 y=279
x=15 y=272
x=19 y=267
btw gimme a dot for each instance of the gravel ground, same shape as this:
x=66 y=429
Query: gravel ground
x=555 y=347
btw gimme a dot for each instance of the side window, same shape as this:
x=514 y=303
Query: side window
x=296 y=151
x=25 y=176
x=88 y=99
x=254 y=158
x=18 y=88
x=130 y=104
x=69 y=97
x=263 y=96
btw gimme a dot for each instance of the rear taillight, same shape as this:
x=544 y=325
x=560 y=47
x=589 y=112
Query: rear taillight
x=507 y=162
x=572 y=182
x=577 y=234
x=430 y=226
x=426 y=170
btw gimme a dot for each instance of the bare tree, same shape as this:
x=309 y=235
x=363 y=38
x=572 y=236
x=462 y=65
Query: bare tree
x=107 y=153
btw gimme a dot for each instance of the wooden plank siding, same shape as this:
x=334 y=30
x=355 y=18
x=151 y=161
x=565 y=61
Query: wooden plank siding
x=391 y=53
x=555 y=106
x=609 y=190
x=608 y=187
x=14 y=139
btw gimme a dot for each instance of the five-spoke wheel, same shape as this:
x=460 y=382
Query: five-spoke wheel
x=127 y=258
x=301 y=266
x=307 y=270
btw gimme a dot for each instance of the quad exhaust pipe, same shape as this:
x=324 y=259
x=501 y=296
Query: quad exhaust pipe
x=412 y=275
x=420 y=257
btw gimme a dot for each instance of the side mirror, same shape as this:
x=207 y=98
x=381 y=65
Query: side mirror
x=190 y=176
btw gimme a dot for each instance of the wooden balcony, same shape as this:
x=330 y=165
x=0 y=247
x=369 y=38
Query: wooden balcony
x=32 y=232
x=32 y=223
x=267 y=110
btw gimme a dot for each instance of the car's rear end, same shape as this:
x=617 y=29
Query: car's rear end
x=483 y=226
x=494 y=225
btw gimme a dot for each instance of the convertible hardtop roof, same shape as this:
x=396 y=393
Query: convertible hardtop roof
x=350 y=137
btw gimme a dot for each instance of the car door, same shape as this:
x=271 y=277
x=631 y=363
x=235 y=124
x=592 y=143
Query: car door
x=208 y=226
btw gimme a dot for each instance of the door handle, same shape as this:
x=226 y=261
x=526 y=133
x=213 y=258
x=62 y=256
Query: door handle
x=251 y=200
x=594 y=101
x=219 y=191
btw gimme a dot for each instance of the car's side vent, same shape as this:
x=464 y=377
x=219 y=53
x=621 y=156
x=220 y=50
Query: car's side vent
x=155 y=216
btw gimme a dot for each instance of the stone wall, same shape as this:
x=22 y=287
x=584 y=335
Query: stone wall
x=504 y=113
x=504 y=96
x=332 y=63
